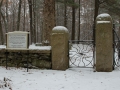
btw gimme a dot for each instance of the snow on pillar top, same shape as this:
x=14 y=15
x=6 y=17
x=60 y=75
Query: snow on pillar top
x=59 y=29
x=104 y=17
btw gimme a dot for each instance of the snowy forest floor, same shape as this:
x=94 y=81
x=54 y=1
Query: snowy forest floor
x=71 y=79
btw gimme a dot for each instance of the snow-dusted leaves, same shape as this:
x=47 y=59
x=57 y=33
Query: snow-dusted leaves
x=5 y=84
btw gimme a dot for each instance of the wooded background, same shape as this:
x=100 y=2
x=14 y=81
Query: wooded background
x=40 y=16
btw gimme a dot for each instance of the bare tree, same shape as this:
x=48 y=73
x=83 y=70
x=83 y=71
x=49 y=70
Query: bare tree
x=73 y=21
x=79 y=22
x=19 y=13
x=24 y=15
x=31 y=20
x=65 y=13
x=34 y=20
x=1 y=31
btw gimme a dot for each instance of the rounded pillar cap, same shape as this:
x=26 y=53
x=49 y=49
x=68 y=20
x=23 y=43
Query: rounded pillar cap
x=104 y=17
x=59 y=29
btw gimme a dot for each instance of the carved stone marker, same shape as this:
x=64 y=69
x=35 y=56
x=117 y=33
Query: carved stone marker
x=17 y=40
x=104 y=43
x=59 y=43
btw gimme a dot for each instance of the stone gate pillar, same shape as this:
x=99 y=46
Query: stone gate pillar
x=104 y=43
x=59 y=44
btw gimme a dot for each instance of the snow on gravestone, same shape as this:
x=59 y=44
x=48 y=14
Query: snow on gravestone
x=17 y=40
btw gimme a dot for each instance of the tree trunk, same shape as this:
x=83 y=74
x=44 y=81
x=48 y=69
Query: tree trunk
x=31 y=21
x=65 y=12
x=96 y=9
x=73 y=22
x=48 y=19
x=79 y=23
x=1 y=31
x=34 y=20
x=6 y=21
x=24 y=15
x=13 y=20
x=19 y=13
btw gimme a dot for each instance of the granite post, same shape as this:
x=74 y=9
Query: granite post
x=59 y=44
x=104 y=43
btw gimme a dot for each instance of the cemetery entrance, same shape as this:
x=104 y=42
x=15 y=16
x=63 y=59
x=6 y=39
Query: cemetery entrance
x=82 y=52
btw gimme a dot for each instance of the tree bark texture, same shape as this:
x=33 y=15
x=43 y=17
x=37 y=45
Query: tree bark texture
x=48 y=19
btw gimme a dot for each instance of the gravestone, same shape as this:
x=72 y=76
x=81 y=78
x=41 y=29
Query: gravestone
x=104 y=43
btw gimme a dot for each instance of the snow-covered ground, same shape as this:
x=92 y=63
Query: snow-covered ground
x=71 y=79
x=32 y=47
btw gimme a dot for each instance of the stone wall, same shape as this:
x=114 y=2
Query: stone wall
x=18 y=58
x=40 y=56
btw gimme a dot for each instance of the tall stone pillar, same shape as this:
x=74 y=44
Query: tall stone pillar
x=104 y=43
x=59 y=43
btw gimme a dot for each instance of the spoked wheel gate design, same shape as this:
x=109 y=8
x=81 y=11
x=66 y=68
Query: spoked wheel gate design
x=116 y=41
x=81 y=54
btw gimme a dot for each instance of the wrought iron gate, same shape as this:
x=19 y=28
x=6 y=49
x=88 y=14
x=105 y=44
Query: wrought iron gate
x=81 y=53
x=116 y=47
